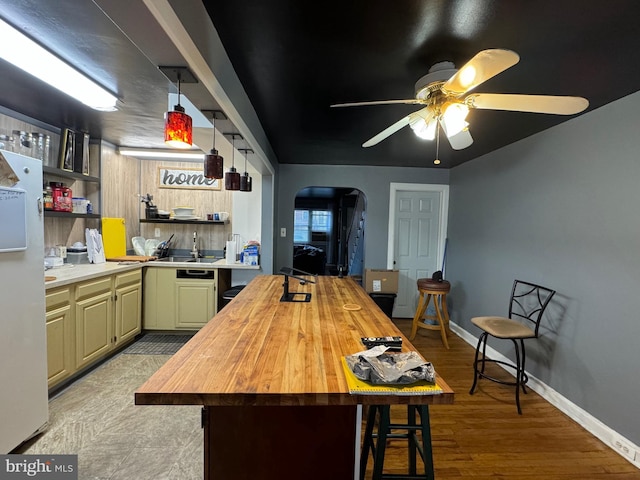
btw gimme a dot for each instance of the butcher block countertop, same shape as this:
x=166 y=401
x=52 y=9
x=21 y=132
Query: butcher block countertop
x=260 y=351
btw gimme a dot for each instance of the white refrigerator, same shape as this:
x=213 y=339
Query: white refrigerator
x=23 y=349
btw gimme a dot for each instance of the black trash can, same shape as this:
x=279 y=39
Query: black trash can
x=230 y=294
x=385 y=301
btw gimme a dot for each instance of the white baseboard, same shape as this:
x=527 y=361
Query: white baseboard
x=610 y=437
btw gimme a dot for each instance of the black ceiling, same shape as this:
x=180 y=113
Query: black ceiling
x=296 y=58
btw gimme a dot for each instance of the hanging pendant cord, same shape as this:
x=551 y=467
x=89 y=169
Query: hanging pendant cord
x=233 y=142
x=213 y=122
x=178 y=88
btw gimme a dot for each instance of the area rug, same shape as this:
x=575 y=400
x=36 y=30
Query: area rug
x=157 y=344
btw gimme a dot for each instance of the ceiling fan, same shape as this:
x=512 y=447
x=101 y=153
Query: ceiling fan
x=445 y=93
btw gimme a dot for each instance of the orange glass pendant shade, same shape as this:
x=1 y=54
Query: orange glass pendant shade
x=178 y=130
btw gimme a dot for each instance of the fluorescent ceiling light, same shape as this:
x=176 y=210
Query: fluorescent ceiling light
x=26 y=54
x=159 y=154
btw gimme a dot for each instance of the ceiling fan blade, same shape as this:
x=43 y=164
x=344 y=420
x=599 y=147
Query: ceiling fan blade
x=390 y=130
x=486 y=64
x=460 y=140
x=410 y=101
x=557 y=105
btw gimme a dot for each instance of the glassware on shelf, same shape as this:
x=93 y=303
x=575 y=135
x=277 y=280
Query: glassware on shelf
x=41 y=144
x=23 y=140
x=7 y=142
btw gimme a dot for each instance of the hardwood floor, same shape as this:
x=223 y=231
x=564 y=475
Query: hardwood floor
x=480 y=436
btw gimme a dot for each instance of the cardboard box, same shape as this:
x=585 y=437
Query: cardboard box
x=381 y=281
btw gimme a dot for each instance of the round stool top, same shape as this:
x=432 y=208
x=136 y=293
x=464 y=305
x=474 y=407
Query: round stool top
x=433 y=285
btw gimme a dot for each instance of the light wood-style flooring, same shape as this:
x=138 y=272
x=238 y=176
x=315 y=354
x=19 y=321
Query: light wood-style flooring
x=481 y=436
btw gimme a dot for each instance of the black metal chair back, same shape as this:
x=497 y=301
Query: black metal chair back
x=528 y=302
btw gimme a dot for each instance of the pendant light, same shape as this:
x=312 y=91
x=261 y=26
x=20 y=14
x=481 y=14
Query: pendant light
x=245 y=179
x=213 y=163
x=232 y=177
x=178 y=130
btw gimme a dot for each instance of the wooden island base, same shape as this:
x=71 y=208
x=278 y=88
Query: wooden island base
x=247 y=443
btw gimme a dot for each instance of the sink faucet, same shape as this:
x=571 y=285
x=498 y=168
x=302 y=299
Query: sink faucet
x=194 y=250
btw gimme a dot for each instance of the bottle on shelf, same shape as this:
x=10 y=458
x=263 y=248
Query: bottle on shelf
x=48 y=197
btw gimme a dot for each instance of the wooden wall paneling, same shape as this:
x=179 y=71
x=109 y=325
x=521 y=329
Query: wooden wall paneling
x=212 y=237
x=120 y=189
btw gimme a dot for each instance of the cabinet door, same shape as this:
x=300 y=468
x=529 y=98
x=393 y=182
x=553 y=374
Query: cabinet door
x=195 y=302
x=94 y=321
x=128 y=312
x=60 y=346
x=159 y=298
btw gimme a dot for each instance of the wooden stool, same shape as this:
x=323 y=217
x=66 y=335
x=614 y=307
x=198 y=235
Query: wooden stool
x=380 y=414
x=438 y=292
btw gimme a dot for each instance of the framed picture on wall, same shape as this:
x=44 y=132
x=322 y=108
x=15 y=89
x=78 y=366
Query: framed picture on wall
x=81 y=154
x=67 y=150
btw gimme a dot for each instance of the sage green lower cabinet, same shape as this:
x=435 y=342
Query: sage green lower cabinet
x=60 y=336
x=195 y=303
x=172 y=303
x=87 y=320
x=94 y=320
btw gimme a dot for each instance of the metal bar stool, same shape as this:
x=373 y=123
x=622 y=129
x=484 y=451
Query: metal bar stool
x=381 y=413
x=436 y=291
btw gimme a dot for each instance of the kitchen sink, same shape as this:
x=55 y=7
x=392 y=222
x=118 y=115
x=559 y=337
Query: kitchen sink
x=187 y=259
x=175 y=259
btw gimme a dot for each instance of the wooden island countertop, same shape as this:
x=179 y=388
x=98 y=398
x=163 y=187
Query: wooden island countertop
x=260 y=351
x=270 y=379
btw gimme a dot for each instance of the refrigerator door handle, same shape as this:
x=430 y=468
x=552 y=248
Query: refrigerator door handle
x=40 y=206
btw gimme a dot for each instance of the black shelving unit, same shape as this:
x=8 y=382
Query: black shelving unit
x=71 y=175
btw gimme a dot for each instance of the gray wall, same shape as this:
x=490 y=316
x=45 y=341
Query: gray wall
x=561 y=208
x=374 y=182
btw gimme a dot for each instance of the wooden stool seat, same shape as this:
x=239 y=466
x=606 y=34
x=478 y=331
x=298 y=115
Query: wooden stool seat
x=437 y=291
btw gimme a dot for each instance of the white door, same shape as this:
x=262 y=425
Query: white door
x=418 y=235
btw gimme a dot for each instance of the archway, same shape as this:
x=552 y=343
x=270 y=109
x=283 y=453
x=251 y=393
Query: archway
x=328 y=230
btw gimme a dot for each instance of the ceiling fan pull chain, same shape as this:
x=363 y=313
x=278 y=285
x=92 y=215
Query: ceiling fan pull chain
x=437 y=160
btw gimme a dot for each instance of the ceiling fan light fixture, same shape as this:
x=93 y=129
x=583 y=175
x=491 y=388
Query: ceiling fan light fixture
x=425 y=129
x=467 y=76
x=454 y=118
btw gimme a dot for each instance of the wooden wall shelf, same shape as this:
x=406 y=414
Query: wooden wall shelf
x=182 y=222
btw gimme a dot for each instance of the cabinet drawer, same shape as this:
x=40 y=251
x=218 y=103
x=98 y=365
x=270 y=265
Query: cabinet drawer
x=128 y=278
x=57 y=298
x=93 y=287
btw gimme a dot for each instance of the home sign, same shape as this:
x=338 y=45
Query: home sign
x=193 y=178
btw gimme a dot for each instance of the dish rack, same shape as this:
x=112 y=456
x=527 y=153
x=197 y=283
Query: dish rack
x=162 y=250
